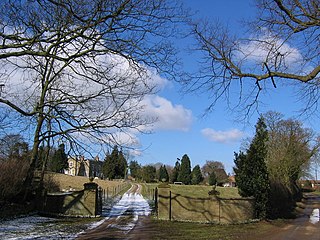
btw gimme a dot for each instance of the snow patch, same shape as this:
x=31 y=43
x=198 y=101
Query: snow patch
x=315 y=216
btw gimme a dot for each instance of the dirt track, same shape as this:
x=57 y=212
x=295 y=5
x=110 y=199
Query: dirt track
x=124 y=217
x=301 y=228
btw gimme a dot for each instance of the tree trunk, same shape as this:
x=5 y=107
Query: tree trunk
x=27 y=184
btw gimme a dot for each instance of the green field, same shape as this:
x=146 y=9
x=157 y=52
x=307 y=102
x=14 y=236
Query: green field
x=196 y=191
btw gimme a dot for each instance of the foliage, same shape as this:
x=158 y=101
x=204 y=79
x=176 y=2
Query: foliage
x=212 y=180
x=175 y=172
x=291 y=148
x=284 y=34
x=13 y=146
x=135 y=168
x=148 y=173
x=13 y=171
x=121 y=166
x=59 y=160
x=184 y=175
x=218 y=168
x=115 y=165
x=251 y=171
x=196 y=175
x=163 y=174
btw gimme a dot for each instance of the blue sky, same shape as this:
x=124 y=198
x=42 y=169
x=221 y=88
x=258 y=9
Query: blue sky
x=218 y=135
x=181 y=129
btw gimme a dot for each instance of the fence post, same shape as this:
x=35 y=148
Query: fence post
x=156 y=201
x=219 y=201
x=170 y=206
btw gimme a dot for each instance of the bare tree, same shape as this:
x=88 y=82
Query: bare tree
x=280 y=47
x=291 y=149
x=79 y=69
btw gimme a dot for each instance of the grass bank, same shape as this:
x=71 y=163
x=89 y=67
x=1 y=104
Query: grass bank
x=76 y=182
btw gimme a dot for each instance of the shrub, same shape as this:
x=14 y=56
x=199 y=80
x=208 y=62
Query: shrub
x=13 y=173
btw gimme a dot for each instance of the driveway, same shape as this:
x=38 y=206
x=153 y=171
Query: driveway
x=305 y=226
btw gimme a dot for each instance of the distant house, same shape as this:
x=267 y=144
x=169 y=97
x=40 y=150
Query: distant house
x=231 y=182
x=79 y=166
x=314 y=184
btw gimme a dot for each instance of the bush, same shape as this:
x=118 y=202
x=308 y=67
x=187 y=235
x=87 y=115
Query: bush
x=282 y=200
x=50 y=184
x=13 y=172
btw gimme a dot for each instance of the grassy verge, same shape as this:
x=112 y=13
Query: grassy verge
x=186 y=230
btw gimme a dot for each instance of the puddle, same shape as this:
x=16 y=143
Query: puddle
x=315 y=216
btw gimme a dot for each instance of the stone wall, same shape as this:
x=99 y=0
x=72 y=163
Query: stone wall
x=84 y=203
x=171 y=206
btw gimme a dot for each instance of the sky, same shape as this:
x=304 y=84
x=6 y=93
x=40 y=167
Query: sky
x=181 y=127
x=183 y=130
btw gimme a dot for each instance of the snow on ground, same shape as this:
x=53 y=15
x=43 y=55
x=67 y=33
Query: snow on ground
x=37 y=227
x=315 y=216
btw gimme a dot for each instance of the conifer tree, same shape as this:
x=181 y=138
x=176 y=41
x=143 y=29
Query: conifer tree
x=134 y=169
x=212 y=179
x=251 y=171
x=185 y=170
x=121 y=166
x=163 y=174
x=196 y=175
x=115 y=164
x=59 y=160
x=175 y=172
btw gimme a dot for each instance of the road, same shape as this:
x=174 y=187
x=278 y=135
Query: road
x=129 y=212
x=305 y=226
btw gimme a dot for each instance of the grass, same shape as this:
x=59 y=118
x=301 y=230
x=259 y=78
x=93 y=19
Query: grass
x=201 y=191
x=196 y=191
x=186 y=230
x=76 y=182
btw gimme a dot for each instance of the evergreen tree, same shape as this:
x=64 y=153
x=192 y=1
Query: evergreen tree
x=196 y=175
x=175 y=172
x=115 y=165
x=59 y=160
x=148 y=173
x=212 y=179
x=185 y=170
x=134 y=169
x=109 y=165
x=121 y=166
x=163 y=174
x=251 y=171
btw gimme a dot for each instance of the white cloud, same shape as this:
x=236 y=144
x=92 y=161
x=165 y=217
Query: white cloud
x=231 y=135
x=168 y=116
x=271 y=49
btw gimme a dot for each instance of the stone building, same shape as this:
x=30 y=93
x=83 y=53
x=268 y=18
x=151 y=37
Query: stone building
x=79 y=166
